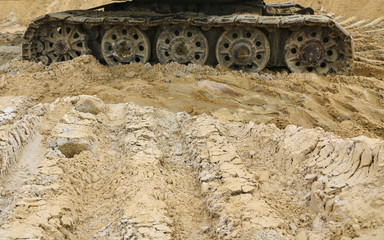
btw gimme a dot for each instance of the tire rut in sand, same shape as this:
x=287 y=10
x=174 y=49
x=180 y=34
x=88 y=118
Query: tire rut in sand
x=153 y=141
x=139 y=187
x=18 y=175
x=128 y=172
x=111 y=172
x=264 y=183
x=20 y=148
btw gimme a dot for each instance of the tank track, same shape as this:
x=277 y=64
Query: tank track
x=282 y=39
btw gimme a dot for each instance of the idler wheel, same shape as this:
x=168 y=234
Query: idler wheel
x=180 y=45
x=243 y=49
x=62 y=43
x=122 y=45
x=315 y=50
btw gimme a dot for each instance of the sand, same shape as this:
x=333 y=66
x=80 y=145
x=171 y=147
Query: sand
x=89 y=151
x=360 y=9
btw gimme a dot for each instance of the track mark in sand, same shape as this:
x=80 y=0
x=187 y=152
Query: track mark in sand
x=348 y=21
x=106 y=187
x=369 y=61
x=368 y=37
x=19 y=173
x=153 y=142
x=187 y=207
x=338 y=18
x=229 y=188
x=146 y=173
x=147 y=190
x=380 y=31
x=357 y=24
x=372 y=23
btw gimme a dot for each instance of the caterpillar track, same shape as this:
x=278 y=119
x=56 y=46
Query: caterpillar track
x=241 y=35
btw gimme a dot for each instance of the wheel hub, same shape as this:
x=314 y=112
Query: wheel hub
x=312 y=53
x=122 y=45
x=61 y=47
x=182 y=45
x=318 y=50
x=243 y=49
x=125 y=51
x=181 y=48
x=242 y=52
x=59 y=43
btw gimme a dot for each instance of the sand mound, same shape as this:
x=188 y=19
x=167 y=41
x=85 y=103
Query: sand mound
x=348 y=105
x=125 y=171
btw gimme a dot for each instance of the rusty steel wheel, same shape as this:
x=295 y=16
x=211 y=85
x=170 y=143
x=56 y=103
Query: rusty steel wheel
x=317 y=50
x=123 y=44
x=62 y=43
x=243 y=49
x=180 y=45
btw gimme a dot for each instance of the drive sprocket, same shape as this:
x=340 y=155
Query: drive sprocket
x=63 y=42
x=317 y=50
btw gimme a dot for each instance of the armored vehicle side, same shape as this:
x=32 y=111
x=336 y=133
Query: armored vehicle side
x=246 y=35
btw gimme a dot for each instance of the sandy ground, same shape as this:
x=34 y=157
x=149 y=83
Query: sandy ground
x=26 y=10
x=351 y=8
x=89 y=151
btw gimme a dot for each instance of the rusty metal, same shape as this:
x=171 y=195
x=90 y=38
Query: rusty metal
x=53 y=43
x=123 y=44
x=211 y=20
x=243 y=49
x=316 y=50
x=182 y=45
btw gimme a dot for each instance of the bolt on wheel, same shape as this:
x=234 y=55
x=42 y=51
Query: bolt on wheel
x=62 y=43
x=122 y=45
x=242 y=49
x=317 y=50
x=182 y=46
